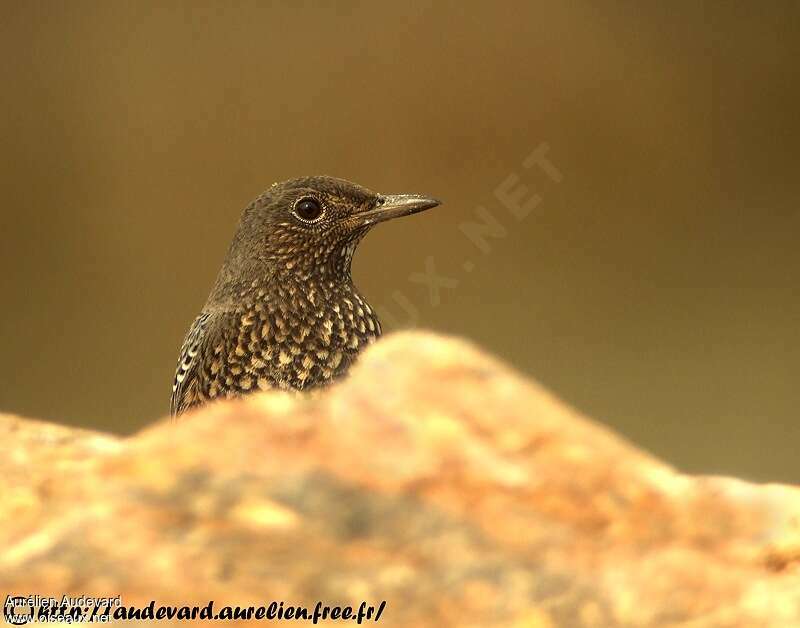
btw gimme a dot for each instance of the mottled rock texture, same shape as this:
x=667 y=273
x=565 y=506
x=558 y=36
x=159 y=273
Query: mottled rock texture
x=434 y=478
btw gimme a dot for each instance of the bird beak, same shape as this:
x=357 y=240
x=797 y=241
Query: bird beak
x=395 y=205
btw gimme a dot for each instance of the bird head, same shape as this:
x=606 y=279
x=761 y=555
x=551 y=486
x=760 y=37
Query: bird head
x=313 y=224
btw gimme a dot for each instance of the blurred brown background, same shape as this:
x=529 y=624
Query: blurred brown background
x=656 y=287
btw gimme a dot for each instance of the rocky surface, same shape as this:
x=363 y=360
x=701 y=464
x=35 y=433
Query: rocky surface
x=434 y=478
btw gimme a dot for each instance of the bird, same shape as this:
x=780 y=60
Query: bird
x=284 y=313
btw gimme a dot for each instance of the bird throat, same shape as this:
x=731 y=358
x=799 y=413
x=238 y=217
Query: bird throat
x=306 y=321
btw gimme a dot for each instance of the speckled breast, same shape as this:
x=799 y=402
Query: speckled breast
x=291 y=338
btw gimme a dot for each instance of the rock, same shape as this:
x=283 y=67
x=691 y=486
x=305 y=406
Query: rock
x=434 y=478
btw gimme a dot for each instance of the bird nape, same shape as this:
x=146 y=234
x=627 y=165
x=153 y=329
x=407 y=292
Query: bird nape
x=284 y=313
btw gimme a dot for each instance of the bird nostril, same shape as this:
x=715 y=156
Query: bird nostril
x=381 y=200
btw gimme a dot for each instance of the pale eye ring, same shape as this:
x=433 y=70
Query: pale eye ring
x=308 y=209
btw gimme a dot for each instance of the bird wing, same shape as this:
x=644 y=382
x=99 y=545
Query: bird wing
x=185 y=388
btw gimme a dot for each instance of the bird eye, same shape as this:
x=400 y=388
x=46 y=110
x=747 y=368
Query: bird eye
x=308 y=209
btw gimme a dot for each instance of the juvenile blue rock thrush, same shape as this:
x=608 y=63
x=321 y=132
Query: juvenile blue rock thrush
x=284 y=313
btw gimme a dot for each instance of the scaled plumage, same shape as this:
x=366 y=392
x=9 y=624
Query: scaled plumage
x=284 y=313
